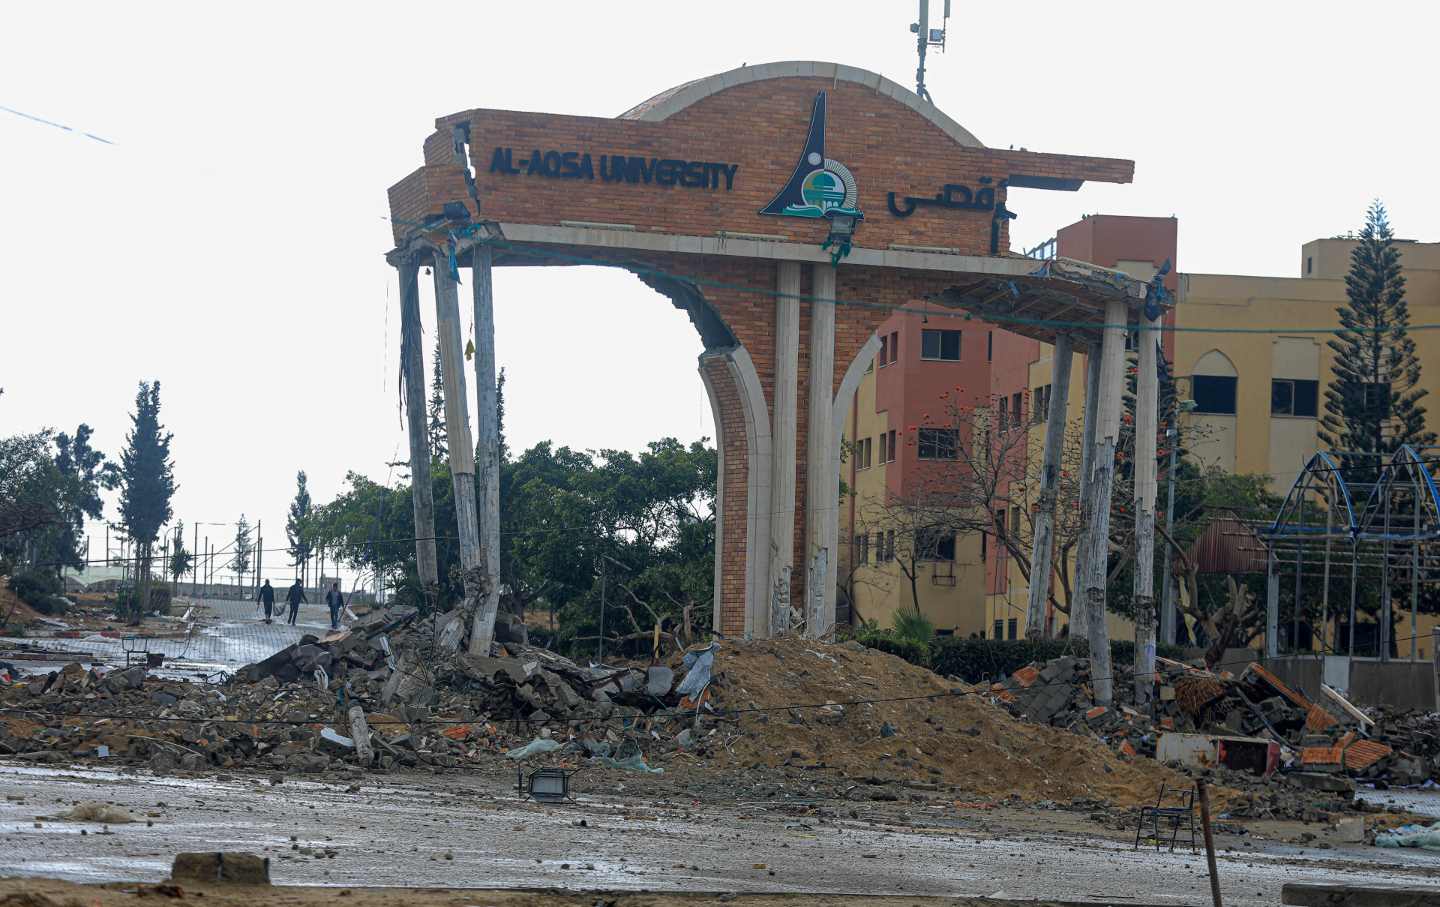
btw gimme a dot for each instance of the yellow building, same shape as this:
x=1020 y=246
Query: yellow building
x=1250 y=351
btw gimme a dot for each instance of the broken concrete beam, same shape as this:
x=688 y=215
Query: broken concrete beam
x=1329 y=783
x=360 y=734
x=225 y=868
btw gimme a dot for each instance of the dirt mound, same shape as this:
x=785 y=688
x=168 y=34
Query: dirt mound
x=958 y=740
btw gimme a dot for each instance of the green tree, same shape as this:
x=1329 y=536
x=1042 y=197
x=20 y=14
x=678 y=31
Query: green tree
x=147 y=483
x=240 y=560
x=1372 y=405
x=180 y=558
x=439 y=440
x=297 y=528
x=29 y=502
x=83 y=472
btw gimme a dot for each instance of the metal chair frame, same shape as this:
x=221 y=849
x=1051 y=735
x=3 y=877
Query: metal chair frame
x=1176 y=815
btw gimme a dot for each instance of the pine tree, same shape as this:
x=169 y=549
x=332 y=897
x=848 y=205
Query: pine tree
x=1372 y=405
x=297 y=528
x=439 y=444
x=241 y=560
x=147 y=483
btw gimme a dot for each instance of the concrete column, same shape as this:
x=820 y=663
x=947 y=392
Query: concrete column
x=783 y=440
x=487 y=449
x=1041 y=558
x=457 y=430
x=1102 y=474
x=1079 y=616
x=412 y=370
x=822 y=490
x=1147 y=393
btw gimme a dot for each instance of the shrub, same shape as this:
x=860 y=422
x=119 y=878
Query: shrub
x=913 y=626
x=34 y=586
x=914 y=652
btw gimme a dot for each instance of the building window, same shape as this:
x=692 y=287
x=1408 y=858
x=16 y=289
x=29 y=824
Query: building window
x=894 y=346
x=1000 y=524
x=869 y=449
x=984 y=546
x=1294 y=397
x=934 y=545
x=989 y=345
x=1004 y=408
x=999 y=629
x=885 y=351
x=890 y=545
x=879 y=547
x=940 y=345
x=1040 y=410
x=862 y=548
x=889 y=446
x=1014 y=625
x=1213 y=394
x=1015 y=518
x=939 y=443
x=862 y=453
x=1309 y=264
x=1016 y=407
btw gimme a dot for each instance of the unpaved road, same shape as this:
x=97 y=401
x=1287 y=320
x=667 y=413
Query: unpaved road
x=424 y=832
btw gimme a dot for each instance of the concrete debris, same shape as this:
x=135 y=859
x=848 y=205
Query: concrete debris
x=212 y=868
x=1253 y=723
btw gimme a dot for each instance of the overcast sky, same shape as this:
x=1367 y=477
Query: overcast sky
x=229 y=242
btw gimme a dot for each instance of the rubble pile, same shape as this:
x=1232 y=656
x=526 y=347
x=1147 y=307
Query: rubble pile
x=1316 y=738
x=378 y=695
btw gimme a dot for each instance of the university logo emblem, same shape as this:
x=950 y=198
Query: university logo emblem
x=819 y=186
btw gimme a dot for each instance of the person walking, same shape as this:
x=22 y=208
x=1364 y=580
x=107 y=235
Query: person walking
x=336 y=600
x=267 y=598
x=295 y=596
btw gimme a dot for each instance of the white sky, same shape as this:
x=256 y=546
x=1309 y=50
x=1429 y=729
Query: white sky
x=229 y=243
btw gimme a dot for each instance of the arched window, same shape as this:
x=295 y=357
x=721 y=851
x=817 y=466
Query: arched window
x=1213 y=383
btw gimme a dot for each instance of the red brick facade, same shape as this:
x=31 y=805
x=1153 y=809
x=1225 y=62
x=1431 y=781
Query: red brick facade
x=759 y=129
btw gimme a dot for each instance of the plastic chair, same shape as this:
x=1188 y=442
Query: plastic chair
x=1176 y=815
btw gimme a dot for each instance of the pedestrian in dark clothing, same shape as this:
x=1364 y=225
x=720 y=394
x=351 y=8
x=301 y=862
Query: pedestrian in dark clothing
x=336 y=600
x=295 y=596
x=267 y=598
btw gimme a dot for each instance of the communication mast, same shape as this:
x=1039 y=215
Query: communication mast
x=925 y=38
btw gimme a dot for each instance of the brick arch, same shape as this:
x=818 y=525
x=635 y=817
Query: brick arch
x=673 y=100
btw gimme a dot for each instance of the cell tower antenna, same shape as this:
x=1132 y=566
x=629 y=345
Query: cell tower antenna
x=925 y=38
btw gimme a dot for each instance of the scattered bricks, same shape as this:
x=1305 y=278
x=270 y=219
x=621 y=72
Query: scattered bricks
x=1126 y=748
x=1026 y=676
x=1317 y=720
x=1362 y=754
x=1095 y=712
x=457 y=731
x=223 y=868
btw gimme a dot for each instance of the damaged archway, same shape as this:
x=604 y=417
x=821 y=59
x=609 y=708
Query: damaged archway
x=789 y=208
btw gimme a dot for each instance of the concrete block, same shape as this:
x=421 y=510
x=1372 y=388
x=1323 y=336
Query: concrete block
x=222 y=868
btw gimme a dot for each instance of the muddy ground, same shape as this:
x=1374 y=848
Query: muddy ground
x=53 y=893
x=468 y=832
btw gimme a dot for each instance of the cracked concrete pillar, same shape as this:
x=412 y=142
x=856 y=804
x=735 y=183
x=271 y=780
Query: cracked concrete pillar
x=783 y=441
x=1102 y=470
x=1042 y=556
x=1079 y=617
x=412 y=365
x=822 y=490
x=487 y=448
x=457 y=431
x=1147 y=392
